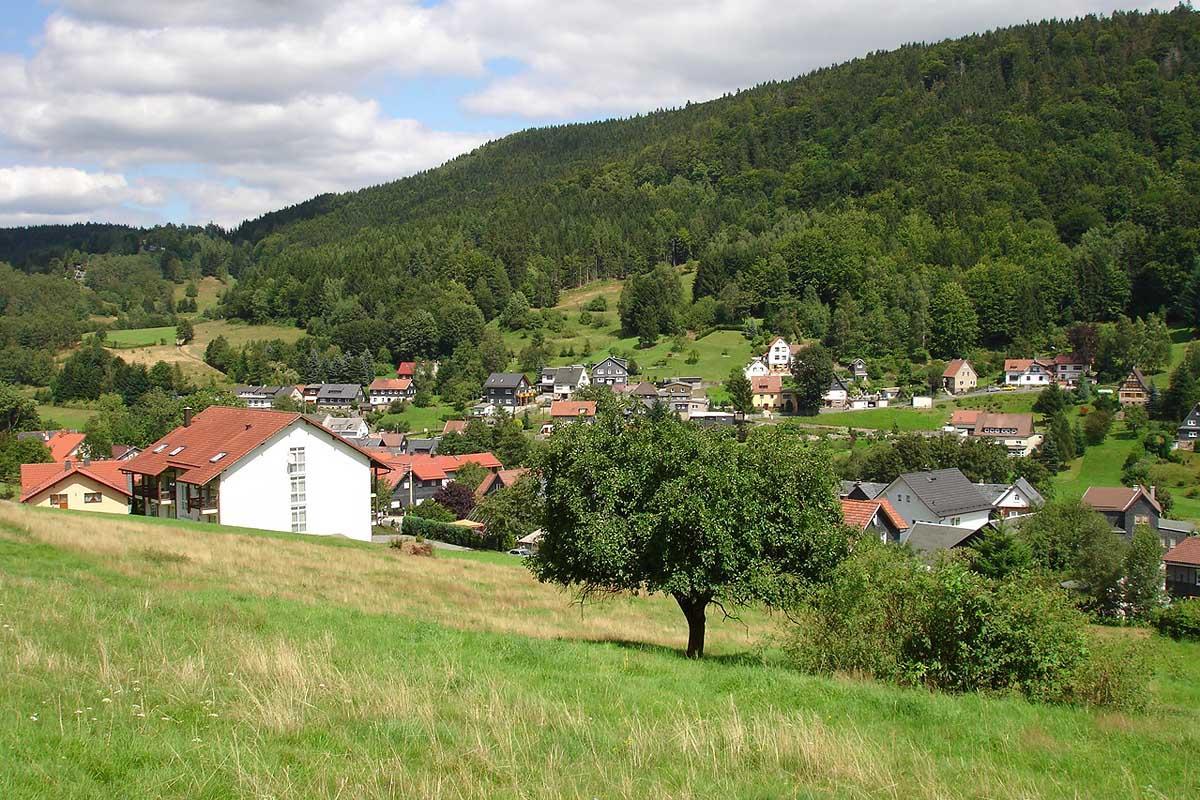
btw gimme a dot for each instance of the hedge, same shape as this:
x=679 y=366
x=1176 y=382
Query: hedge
x=450 y=534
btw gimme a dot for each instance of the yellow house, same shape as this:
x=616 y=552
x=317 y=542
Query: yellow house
x=78 y=485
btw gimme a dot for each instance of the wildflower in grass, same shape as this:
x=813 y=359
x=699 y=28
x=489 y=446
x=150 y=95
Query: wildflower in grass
x=33 y=717
x=106 y=700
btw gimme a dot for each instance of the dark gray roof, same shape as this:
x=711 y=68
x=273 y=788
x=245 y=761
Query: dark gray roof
x=1035 y=497
x=416 y=445
x=338 y=391
x=504 y=380
x=568 y=375
x=613 y=361
x=868 y=490
x=928 y=537
x=946 y=492
x=1176 y=525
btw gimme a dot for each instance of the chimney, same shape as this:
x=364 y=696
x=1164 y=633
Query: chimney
x=67 y=465
x=187 y=416
x=1152 y=492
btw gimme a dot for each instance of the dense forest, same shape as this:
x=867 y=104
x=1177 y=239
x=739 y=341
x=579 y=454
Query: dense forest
x=1011 y=182
x=987 y=192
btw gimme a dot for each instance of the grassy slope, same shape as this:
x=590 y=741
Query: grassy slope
x=220 y=664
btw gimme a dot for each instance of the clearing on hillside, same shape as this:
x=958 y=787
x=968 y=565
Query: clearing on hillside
x=149 y=659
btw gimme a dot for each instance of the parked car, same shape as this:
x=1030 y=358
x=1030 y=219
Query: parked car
x=520 y=551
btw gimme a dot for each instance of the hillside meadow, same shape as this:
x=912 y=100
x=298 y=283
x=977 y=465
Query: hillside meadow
x=154 y=659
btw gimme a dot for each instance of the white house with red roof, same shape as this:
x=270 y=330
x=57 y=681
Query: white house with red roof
x=256 y=468
x=385 y=391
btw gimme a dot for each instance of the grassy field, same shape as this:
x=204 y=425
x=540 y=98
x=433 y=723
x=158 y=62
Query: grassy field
x=64 y=416
x=422 y=419
x=156 y=660
x=141 y=337
x=209 y=291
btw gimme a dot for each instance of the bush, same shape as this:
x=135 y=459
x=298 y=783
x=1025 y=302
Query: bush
x=1180 y=620
x=450 y=534
x=883 y=614
x=1114 y=675
x=597 y=303
x=431 y=510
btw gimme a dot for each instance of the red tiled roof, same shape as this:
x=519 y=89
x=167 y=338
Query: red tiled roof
x=573 y=408
x=454 y=426
x=397 y=384
x=220 y=429
x=63 y=444
x=859 y=513
x=768 y=384
x=1021 y=424
x=953 y=367
x=392 y=439
x=1186 y=552
x=964 y=417
x=432 y=468
x=37 y=478
x=406 y=369
x=1116 y=498
x=1022 y=364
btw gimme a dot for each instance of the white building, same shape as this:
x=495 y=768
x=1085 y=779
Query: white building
x=943 y=497
x=1028 y=372
x=757 y=368
x=779 y=356
x=271 y=470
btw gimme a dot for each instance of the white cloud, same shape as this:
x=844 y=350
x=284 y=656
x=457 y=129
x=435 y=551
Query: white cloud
x=267 y=102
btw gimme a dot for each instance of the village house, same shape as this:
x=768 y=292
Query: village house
x=1013 y=431
x=1134 y=390
x=455 y=426
x=76 y=485
x=330 y=396
x=779 y=356
x=564 y=411
x=677 y=396
x=1027 y=372
x=929 y=538
x=1188 y=430
x=562 y=383
x=406 y=369
x=959 y=377
x=256 y=468
x=874 y=515
x=416 y=478
x=766 y=393
x=508 y=390
x=1126 y=507
x=62 y=444
x=861 y=490
x=1069 y=369
x=500 y=479
x=1012 y=499
x=837 y=395
x=757 y=368
x=1182 y=564
x=858 y=370
x=943 y=497
x=385 y=391
x=255 y=396
x=345 y=427
x=612 y=371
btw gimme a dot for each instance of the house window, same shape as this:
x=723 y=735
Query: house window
x=1141 y=519
x=92 y=497
x=58 y=500
x=298 y=494
x=296 y=461
x=299 y=520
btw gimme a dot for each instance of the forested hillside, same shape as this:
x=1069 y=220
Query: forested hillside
x=983 y=191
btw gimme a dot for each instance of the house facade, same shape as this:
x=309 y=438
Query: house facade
x=1125 y=507
x=1069 y=369
x=98 y=486
x=1189 y=430
x=562 y=383
x=837 y=395
x=256 y=396
x=1134 y=390
x=331 y=396
x=255 y=468
x=1012 y=499
x=858 y=370
x=564 y=411
x=508 y=390
x=874 y=515
x=612 y=371
x=941 y=497
x=757 y=368
x=416 y=478
x=385 y=391
x=1028 y=372
x=959 y=377
x=766 y=393
x=778 y=356
x=1182 y=564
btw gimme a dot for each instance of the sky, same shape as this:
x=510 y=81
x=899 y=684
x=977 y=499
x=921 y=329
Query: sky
x=197 y=111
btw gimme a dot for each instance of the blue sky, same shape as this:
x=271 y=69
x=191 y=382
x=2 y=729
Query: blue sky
x=146 y=111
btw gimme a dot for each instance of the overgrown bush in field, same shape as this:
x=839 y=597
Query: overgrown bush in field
x=1180 y=620
x=450 y=534
x=886 y=615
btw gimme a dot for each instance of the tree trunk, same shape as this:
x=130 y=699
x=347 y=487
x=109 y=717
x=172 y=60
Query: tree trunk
x=693 y=610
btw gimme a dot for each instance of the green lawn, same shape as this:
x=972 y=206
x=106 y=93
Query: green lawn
x=209 y=291
x=422 y=419
x=64 y=416
x=905 y=418
x=159 y=661
x=141 y=337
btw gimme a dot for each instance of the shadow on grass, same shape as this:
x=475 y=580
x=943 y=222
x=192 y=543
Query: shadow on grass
x=742 y=659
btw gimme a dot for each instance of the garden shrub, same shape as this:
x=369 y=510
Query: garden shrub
x=1180 y=620
x=886 y=615
x=450 y=534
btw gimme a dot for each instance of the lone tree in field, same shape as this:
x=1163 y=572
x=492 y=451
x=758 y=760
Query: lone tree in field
x=660 y=505
x=741 y=394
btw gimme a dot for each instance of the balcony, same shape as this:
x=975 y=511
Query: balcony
x=205 y=503
x=155 y=493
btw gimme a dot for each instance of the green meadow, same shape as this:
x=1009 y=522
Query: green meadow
x=190 y=661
